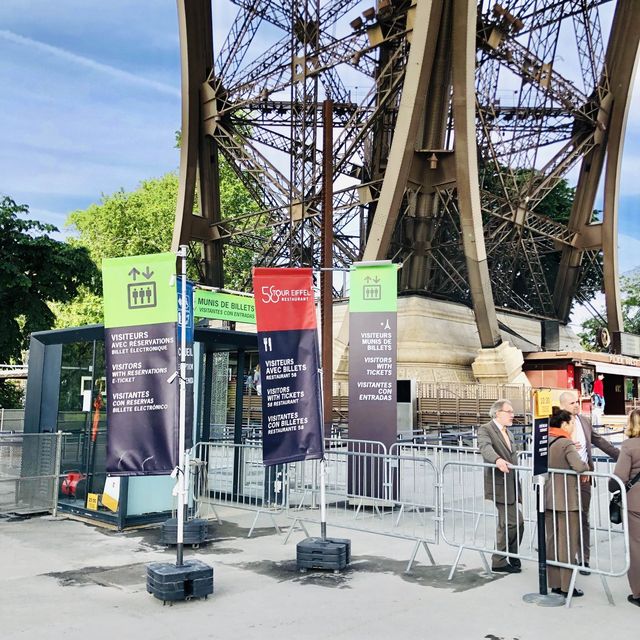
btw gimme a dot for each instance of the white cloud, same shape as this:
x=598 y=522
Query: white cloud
x=113 y=72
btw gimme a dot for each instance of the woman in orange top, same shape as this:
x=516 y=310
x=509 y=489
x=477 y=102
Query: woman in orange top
x=562 y=503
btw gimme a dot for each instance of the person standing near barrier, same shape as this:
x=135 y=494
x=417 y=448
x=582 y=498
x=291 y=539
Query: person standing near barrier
x=585 y=437
x=257 y=380
x=497 y=447
x=562 y=506
x=598 y=392
x=627 y=467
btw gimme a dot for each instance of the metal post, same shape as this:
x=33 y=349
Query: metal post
x=323 y=501
x=326 y=297
x=326 y=277
x=182 y=254
x=56 y=472
x=237 y=426
x=323 y=477
x=542 y=540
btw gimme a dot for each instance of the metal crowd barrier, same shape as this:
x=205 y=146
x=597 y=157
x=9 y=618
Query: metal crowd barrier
x=11 y=420
x=469 y=521
x=370 y=491
x=253 y=487
x=29 y=472
x=418 y=492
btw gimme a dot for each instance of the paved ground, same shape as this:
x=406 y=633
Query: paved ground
x=62 y=579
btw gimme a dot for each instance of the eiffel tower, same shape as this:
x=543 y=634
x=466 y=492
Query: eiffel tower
x=456 y=123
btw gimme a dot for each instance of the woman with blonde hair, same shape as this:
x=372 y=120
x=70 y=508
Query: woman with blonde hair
x=627 y=469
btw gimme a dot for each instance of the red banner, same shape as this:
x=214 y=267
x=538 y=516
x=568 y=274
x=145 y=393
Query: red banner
x=289 y=365
x=284 y=299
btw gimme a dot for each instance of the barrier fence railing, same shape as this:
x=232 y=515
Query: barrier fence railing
x=418 y=492
x=469 y=521
x=392 y=495
x=29 y=472
x=11 y=420
x=233 y=475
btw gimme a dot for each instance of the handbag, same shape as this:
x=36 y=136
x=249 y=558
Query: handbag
x=615 y=507
x=615 y=504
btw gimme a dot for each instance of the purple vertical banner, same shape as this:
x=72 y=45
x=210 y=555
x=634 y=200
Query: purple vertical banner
x=142 y=407
x=141 y=356
x=289 y=365
x=372 y=377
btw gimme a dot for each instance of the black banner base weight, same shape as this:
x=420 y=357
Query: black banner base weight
x=316 y=553
x=548 y=600
x=169 y=583
x=195 y=532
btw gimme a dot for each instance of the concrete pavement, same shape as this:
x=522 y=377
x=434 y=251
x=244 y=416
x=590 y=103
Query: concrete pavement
x=63 y=579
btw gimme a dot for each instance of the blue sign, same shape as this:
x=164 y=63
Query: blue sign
x=190 y=321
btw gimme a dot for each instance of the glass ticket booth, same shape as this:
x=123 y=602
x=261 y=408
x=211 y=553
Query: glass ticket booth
x=66 y=391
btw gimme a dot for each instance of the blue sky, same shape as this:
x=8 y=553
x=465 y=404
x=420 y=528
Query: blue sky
x=90 y=102
x=90 y=99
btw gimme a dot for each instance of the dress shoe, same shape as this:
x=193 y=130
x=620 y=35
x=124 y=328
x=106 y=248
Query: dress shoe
x=515 y=562
x=507 y=568
x=577 y=593
x=633 y=600
x=585 y=571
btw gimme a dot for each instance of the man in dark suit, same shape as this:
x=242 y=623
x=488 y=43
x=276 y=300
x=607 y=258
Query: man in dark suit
x=585 y=438
x=497 y=447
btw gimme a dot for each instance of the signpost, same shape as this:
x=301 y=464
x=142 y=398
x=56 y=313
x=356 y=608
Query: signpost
x=192 y=578
x=289 y=364
x=224 y=306
x=140 y=305
x=372 y=369
x=292 y=420
x=541 y=401
x=181 y=470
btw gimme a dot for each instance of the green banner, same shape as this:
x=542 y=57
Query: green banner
x=139 y=290
x=373 y=287
x=224 y=306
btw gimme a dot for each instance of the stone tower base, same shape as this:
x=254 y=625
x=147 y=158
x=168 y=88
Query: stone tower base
x=438 y=342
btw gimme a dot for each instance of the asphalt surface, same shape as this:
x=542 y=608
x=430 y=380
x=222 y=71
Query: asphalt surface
x=64 y=579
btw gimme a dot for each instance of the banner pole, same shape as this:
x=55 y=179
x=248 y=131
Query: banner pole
x=182 y=254
x=323 y=468
x=541 y=409
x=542 y=538
x=323 y=501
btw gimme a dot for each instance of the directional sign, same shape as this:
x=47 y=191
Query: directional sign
x=372 y=371
x=141 y=309
x=224 y=306
x=139 y=290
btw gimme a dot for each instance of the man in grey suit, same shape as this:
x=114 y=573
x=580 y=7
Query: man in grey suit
x=497 y=447
x=585 y=438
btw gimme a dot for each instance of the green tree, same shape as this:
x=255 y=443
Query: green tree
x=630 y=292
x=589 y=332
x=35 y=270
x=556 y=205
x=129 y=223
x=630 y=307
x=141 y=222
x=236 y=200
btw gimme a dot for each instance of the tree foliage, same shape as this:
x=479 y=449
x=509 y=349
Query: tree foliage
x=129 y=223
x=556 y=205
x=630 y=307
x=141 y=222
x=11 y=395
x=35 y=270
x=235 y=200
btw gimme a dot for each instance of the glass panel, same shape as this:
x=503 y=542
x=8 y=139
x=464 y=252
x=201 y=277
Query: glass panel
x=82 y=413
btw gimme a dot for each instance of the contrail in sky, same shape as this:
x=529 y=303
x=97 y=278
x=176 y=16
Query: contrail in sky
x=113 y=72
